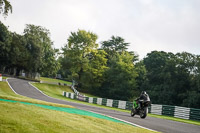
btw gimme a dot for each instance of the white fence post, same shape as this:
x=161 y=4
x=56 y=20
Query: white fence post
x=122 y=105
x=182 y=112
x=99 y=101
x=109 y=102
x=156 y=109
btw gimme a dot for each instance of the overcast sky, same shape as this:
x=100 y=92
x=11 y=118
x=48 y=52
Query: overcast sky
x=168 y=25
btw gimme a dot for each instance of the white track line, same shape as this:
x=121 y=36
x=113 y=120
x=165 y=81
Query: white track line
x=39 y=90
x=84 y=109
x=53 y=97
x=49 y=96
x=99 y=113
x=123 y=121
x=11 y=86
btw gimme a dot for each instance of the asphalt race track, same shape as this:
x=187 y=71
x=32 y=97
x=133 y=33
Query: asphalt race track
x=22 y=87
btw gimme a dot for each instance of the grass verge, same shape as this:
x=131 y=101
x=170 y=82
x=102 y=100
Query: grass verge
x=4 y=77
x=89 y=95
x=17 y=117
x=54 y=80
x=26 y=118
x=56 y=90
x=52 y=90
x=58 y=94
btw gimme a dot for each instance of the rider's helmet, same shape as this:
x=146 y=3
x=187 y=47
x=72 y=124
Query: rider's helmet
x=143 y=93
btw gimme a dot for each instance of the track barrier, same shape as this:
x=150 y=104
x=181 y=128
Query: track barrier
x=167 y=110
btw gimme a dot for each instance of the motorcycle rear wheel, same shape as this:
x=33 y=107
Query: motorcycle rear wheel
x=133 y=112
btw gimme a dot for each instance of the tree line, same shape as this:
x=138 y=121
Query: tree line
x=172 y=79
x=113 y=72
x=107 y=71
x=31 y=52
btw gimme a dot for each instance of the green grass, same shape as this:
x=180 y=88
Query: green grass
x=17 y=117
x=26 y=118
x=58 y=94
x=54 y=80
x=61 y=81
x=52 y=90
x=4 y=77
x=89 y=95
x=56 y=91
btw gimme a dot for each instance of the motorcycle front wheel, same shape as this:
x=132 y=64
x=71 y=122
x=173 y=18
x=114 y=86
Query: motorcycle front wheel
x=143 y=113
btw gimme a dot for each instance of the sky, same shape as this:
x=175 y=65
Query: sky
x=148 y=25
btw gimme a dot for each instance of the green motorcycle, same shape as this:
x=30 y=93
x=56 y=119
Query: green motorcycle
x=140 y=108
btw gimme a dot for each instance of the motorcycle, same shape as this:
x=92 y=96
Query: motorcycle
x=141 y=109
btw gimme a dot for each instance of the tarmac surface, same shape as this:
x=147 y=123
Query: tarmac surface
x=22 y=87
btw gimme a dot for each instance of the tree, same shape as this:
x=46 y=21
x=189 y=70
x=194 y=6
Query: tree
x=159 y=82
x=141 y=71
x=18 y=55
x=78 y=48
x=115 y=44
x=189 y=68
x=93 y=75
x=172 y=78
x=197 y=74
x=194 y=96
x=82 y=40
x=5 y=7
x=42 y=55
x=66 y=64
x=85 y=62
x=121 y=75
x=120 y=80
x=50 y=64
x=5 y=40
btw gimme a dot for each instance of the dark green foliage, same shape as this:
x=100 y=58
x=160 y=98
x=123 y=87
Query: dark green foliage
x=115 y=44
x=141 y=71
x=107 y=72
x=42 y=55
x=5 y=40
x=31 y=52
x=18 y=55
x=120 y=78
x=83 y=61
x=172 y=79
x=5 y=7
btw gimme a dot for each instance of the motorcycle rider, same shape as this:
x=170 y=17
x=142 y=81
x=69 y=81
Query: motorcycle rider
x=143 y=96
